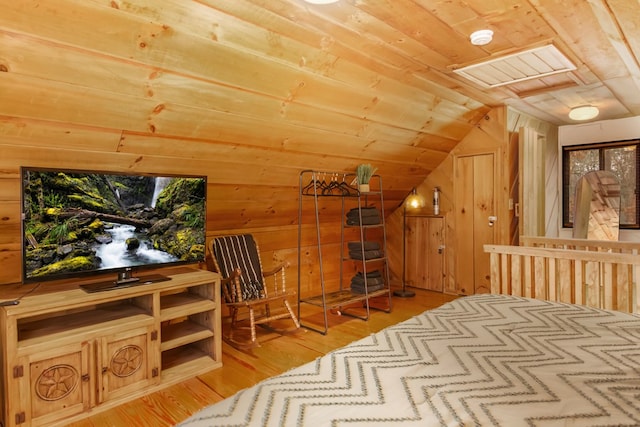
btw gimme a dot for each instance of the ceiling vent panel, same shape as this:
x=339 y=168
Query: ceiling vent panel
x=525 y=65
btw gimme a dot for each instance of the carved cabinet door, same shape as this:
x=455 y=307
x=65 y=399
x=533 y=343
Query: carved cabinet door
x=60 y=383
x=126 y=363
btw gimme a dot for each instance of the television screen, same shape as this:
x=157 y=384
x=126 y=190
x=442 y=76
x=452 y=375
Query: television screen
x=85 y=222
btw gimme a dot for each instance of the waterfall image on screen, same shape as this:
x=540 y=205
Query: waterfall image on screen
x=116 y=253
x=87 y=222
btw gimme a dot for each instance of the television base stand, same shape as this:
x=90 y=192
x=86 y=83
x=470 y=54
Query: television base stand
x=126 y=283
x=108 y=348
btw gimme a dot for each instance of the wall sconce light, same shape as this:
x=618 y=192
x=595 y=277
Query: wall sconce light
x=413 y=201
x=584 y=112
x=481 y=37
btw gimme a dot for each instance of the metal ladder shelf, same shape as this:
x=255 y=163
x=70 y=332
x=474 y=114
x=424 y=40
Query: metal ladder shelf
x=317 y=185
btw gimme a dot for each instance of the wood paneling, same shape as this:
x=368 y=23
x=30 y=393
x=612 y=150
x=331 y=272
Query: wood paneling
x=251 y=93
x=491 y=137
x=531 y=151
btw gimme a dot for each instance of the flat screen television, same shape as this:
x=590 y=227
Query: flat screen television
x=78 y=223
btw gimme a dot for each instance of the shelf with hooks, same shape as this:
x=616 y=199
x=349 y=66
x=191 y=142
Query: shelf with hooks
x=362 y=216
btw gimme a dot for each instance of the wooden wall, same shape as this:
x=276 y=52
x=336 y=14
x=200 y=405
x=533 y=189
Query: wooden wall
x=225 y=89
x=230 y=208
x=490 y=135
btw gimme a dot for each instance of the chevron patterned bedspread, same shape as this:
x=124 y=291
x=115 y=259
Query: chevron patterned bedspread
x=483 y=360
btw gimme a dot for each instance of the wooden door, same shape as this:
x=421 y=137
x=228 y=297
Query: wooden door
x=475 y=217
x=425 y=252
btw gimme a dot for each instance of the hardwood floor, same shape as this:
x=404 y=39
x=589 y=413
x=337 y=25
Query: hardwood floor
x=242 y=369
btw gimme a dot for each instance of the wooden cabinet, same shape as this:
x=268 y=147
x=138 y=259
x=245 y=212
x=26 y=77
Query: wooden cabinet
x=425 y=252
x=67 y=354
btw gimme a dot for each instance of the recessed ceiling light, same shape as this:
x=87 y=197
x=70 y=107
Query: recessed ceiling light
x=583 y=112
x=481 y=37
x=321 y=1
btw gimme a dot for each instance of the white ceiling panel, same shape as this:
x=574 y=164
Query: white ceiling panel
x=525 y=65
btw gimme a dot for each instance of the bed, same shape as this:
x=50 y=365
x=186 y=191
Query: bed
x=485 y=360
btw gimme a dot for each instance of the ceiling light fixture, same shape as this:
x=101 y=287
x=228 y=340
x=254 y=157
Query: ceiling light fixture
x=321 y=1
x=584 y=112
x=481 y=37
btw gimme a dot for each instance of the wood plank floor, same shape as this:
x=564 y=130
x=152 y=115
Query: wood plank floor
x=242 y=369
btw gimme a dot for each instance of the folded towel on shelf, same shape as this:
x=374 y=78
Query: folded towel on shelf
x=366 y=220
x=363 y=211
x=373 y=278
x=370 y=282
x=368 y=246
x=367 y=254
x=360 y=289
x=373 y=273
x=369 y=214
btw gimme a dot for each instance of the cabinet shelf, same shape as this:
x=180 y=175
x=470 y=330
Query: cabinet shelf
x=183 y=304
x=69 y=327
x=183 y=333
x=186 y=361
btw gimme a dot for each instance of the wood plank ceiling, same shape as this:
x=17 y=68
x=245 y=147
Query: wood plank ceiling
x=265 y=88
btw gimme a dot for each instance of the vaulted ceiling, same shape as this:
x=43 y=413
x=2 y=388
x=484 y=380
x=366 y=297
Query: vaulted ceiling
x=270 y=87
x=427 y=40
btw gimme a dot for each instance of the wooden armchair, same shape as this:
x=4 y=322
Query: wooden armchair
x=244 y=286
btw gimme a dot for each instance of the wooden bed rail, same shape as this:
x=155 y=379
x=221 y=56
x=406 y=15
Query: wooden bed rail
x=586 y=277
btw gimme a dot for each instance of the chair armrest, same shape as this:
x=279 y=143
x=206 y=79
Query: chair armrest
x=231 y=285
x=275 y=269
x=232 y=277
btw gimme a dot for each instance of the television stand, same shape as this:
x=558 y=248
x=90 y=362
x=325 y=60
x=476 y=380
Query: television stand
x=68 y=354
x=123 y=282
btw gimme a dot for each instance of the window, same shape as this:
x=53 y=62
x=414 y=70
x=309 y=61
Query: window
x=621 y=158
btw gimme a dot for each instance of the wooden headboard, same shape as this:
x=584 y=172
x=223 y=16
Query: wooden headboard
x=599 y=274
